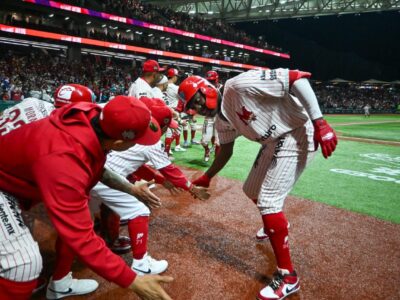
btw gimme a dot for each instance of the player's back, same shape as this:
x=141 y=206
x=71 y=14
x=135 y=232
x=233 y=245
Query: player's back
x=172 y=95
x=25 y=112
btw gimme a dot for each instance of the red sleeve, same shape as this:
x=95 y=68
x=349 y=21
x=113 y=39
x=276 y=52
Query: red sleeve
x=64 y=181
x=148 y=173
x=175 y=175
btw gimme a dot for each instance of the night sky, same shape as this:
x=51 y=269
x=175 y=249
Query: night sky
x=350 y=47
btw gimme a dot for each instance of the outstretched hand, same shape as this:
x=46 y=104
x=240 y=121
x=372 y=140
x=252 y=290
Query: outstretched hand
x=325 y=136
x=149 y=287
x=199 y=192
x=171 y=187
x=145 y=195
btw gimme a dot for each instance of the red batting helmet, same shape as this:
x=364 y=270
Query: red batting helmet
x=212 y=75
x=71 y=93
x=191 y=85
x=171 y=72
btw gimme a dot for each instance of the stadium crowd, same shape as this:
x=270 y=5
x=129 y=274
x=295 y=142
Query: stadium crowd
x=109 y=77
x=167 y=17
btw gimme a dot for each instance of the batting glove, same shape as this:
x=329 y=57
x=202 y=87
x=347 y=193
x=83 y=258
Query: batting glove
x=203 y=180
x=325 y=136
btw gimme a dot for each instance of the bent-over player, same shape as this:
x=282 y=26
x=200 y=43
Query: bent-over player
x=278 y=109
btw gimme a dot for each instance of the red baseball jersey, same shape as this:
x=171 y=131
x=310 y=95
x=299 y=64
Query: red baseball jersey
x=57 y=160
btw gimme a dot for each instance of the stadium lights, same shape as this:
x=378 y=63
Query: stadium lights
x=162 y=37
x=210 y=12
x=66 y=18
x=128 y=30
x=150 y=34
x=51 y=15
x=88 y=22
x=104 y=25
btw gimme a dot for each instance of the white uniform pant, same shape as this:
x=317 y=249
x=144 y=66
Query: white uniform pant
x=125 y=205
x=209 y=131
x=20 y=259
x=277 y=167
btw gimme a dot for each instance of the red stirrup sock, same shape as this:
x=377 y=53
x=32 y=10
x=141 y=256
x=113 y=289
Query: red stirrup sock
x=13 y=290
x=168 y=142
x=138 y=232
x=64 y=259
x=276 y=226
x=185 y=135
x=192 y=134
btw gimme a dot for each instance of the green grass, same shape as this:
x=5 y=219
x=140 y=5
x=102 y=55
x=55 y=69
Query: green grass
x=332 y=119
x=383 y=131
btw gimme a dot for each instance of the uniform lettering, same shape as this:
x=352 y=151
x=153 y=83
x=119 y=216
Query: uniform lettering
x=12 y=203
x=267 y=134
x=6 y=222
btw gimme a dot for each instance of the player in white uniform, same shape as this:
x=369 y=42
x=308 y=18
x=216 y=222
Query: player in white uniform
x=28 y=111
x=128 y=207
x=160 y=88
x=143 y=86
x=367 y=109
x=172 y=101
x=279 y=110
x=209 y=132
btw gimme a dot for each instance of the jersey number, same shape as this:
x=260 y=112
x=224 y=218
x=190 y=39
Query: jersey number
x=11 y=119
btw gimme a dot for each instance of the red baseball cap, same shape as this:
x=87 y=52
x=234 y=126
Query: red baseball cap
x=171 y=72
x=160 y=112
x=126 y=118
x=152 y=66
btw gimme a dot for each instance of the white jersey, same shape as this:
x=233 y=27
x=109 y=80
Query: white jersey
x=127 y=162
x=157 y=93
x=257 y=105
x=25 y=112
x=172 y=95
x=140 y=88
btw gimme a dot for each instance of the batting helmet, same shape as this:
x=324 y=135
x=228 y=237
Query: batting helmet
x=191 y=85
x=171 y=72
x=71 y=93
x=212 y=76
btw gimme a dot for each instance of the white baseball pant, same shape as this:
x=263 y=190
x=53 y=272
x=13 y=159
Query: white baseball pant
x=278 y=166
x=20 y=258
x=125 y=205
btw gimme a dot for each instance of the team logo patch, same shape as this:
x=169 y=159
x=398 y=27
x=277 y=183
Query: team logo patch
x=246 y=116
x=128 y=135
x=65 y=92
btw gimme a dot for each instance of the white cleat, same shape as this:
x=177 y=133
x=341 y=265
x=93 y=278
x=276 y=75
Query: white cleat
x=69 y=286
x=179 y=149
x=261 y=235
x=148 y=265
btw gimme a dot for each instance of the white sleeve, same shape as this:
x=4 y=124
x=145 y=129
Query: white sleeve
x=132 y=90
x=157 y=156
x=301 y=88
x=226 y=132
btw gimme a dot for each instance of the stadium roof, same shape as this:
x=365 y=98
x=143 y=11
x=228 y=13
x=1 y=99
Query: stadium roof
x=252 y=10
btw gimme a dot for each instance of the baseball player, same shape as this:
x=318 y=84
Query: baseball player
x=173 y=101
x=209 y=133
x=278 y=109
x=143 y=86
x=71 y=147
x=367 y=109
x=128 y=207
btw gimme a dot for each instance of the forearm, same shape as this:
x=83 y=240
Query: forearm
x=116 y=181
x=301 y=88
x=221 y=159
x=176 y=177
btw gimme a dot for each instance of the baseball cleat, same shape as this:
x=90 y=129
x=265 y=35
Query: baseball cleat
x=121 y=245
x=185 y=144
x=69 y=286
x=261 y=235
x=194 y=142
x=281 y=286
x=148 y=265
x=206 y=158
x=179 y=149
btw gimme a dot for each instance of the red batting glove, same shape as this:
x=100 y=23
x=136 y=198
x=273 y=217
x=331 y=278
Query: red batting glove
x=325 y=136
x=203 y=180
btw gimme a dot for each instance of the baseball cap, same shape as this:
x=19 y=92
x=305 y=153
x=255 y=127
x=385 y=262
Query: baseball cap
x=152 y=66
x=160 y=112
x=126 y=118
x=171 y=72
